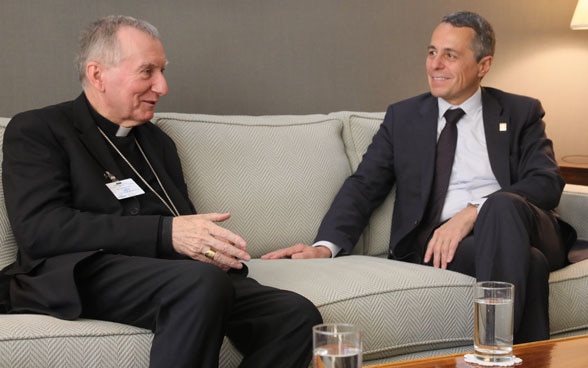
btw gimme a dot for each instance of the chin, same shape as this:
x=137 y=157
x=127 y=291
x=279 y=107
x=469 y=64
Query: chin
x=436 y=93
x=146 y=116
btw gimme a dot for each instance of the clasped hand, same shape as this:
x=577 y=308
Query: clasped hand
x=200 y=238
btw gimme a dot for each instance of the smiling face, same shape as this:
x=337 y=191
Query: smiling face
x=453 y=72
x=126 y=93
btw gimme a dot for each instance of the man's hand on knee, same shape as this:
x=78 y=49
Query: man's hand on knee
x=445 y=240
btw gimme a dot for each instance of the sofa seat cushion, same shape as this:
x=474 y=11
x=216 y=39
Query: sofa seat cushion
x=401 y=307
x=405 y=308
x=42 y=341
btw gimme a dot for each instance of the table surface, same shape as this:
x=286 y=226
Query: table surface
x=570 y=352
x=574 y=174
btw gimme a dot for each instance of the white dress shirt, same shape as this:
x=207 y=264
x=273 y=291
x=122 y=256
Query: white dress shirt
x=471 y=178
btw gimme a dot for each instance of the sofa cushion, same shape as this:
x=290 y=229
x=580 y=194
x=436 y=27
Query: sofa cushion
x=276 y=175
x=401 y=307
x=405 y=308
x=43 y=341
x=358 y=132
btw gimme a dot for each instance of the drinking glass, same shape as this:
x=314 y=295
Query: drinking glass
x=493 y=321
x=336 y=345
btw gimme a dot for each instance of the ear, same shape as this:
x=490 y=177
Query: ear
x=484 y=66
x=95 y=75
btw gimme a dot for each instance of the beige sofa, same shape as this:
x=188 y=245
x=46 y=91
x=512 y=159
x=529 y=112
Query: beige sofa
x=277 y=176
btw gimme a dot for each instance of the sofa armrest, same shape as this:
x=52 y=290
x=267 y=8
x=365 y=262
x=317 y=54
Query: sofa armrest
x=573 y=208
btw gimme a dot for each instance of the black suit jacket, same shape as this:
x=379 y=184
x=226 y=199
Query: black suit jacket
x=59 y=206
x=402 y=154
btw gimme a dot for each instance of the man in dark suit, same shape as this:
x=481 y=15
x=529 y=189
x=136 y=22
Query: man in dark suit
x=496 y=219
x=100 y=211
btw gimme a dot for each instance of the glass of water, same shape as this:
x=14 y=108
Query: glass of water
x=493 y=321
x=336 y=345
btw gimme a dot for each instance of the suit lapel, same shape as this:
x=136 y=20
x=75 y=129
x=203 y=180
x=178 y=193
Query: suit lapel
x=426 y=135
x=497 y=130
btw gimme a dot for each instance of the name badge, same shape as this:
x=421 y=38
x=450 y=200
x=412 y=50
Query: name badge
x=125 y=189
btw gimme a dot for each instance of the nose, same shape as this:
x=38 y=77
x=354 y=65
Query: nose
x=435 y=62
x=160 y=85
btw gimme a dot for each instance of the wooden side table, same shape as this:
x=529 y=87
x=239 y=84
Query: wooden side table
x=574 y=174
x=574 y=169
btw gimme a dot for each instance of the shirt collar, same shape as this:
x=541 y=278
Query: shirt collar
x=469 y=106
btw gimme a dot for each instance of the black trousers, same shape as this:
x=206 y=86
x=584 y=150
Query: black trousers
x=190 y=306
x=516 y=242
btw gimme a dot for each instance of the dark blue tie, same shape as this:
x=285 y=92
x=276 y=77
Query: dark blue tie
x=443 y=165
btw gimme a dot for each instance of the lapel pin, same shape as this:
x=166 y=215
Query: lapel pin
x=502 y=126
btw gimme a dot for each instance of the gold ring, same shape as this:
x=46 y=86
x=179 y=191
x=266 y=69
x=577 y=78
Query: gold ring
x=210 y=254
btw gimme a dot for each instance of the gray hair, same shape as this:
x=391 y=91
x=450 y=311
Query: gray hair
x=99 y=42
x=484 y=43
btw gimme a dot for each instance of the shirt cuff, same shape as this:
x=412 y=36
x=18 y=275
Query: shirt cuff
x=478 y=203
x=332 y=247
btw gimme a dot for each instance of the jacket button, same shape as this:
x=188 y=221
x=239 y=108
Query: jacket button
x=134 y=211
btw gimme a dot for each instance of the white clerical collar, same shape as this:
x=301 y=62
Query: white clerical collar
x=123 y=131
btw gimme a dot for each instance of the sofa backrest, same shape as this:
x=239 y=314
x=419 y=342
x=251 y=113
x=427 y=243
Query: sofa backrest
x=276 y=175
x=7 y=242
